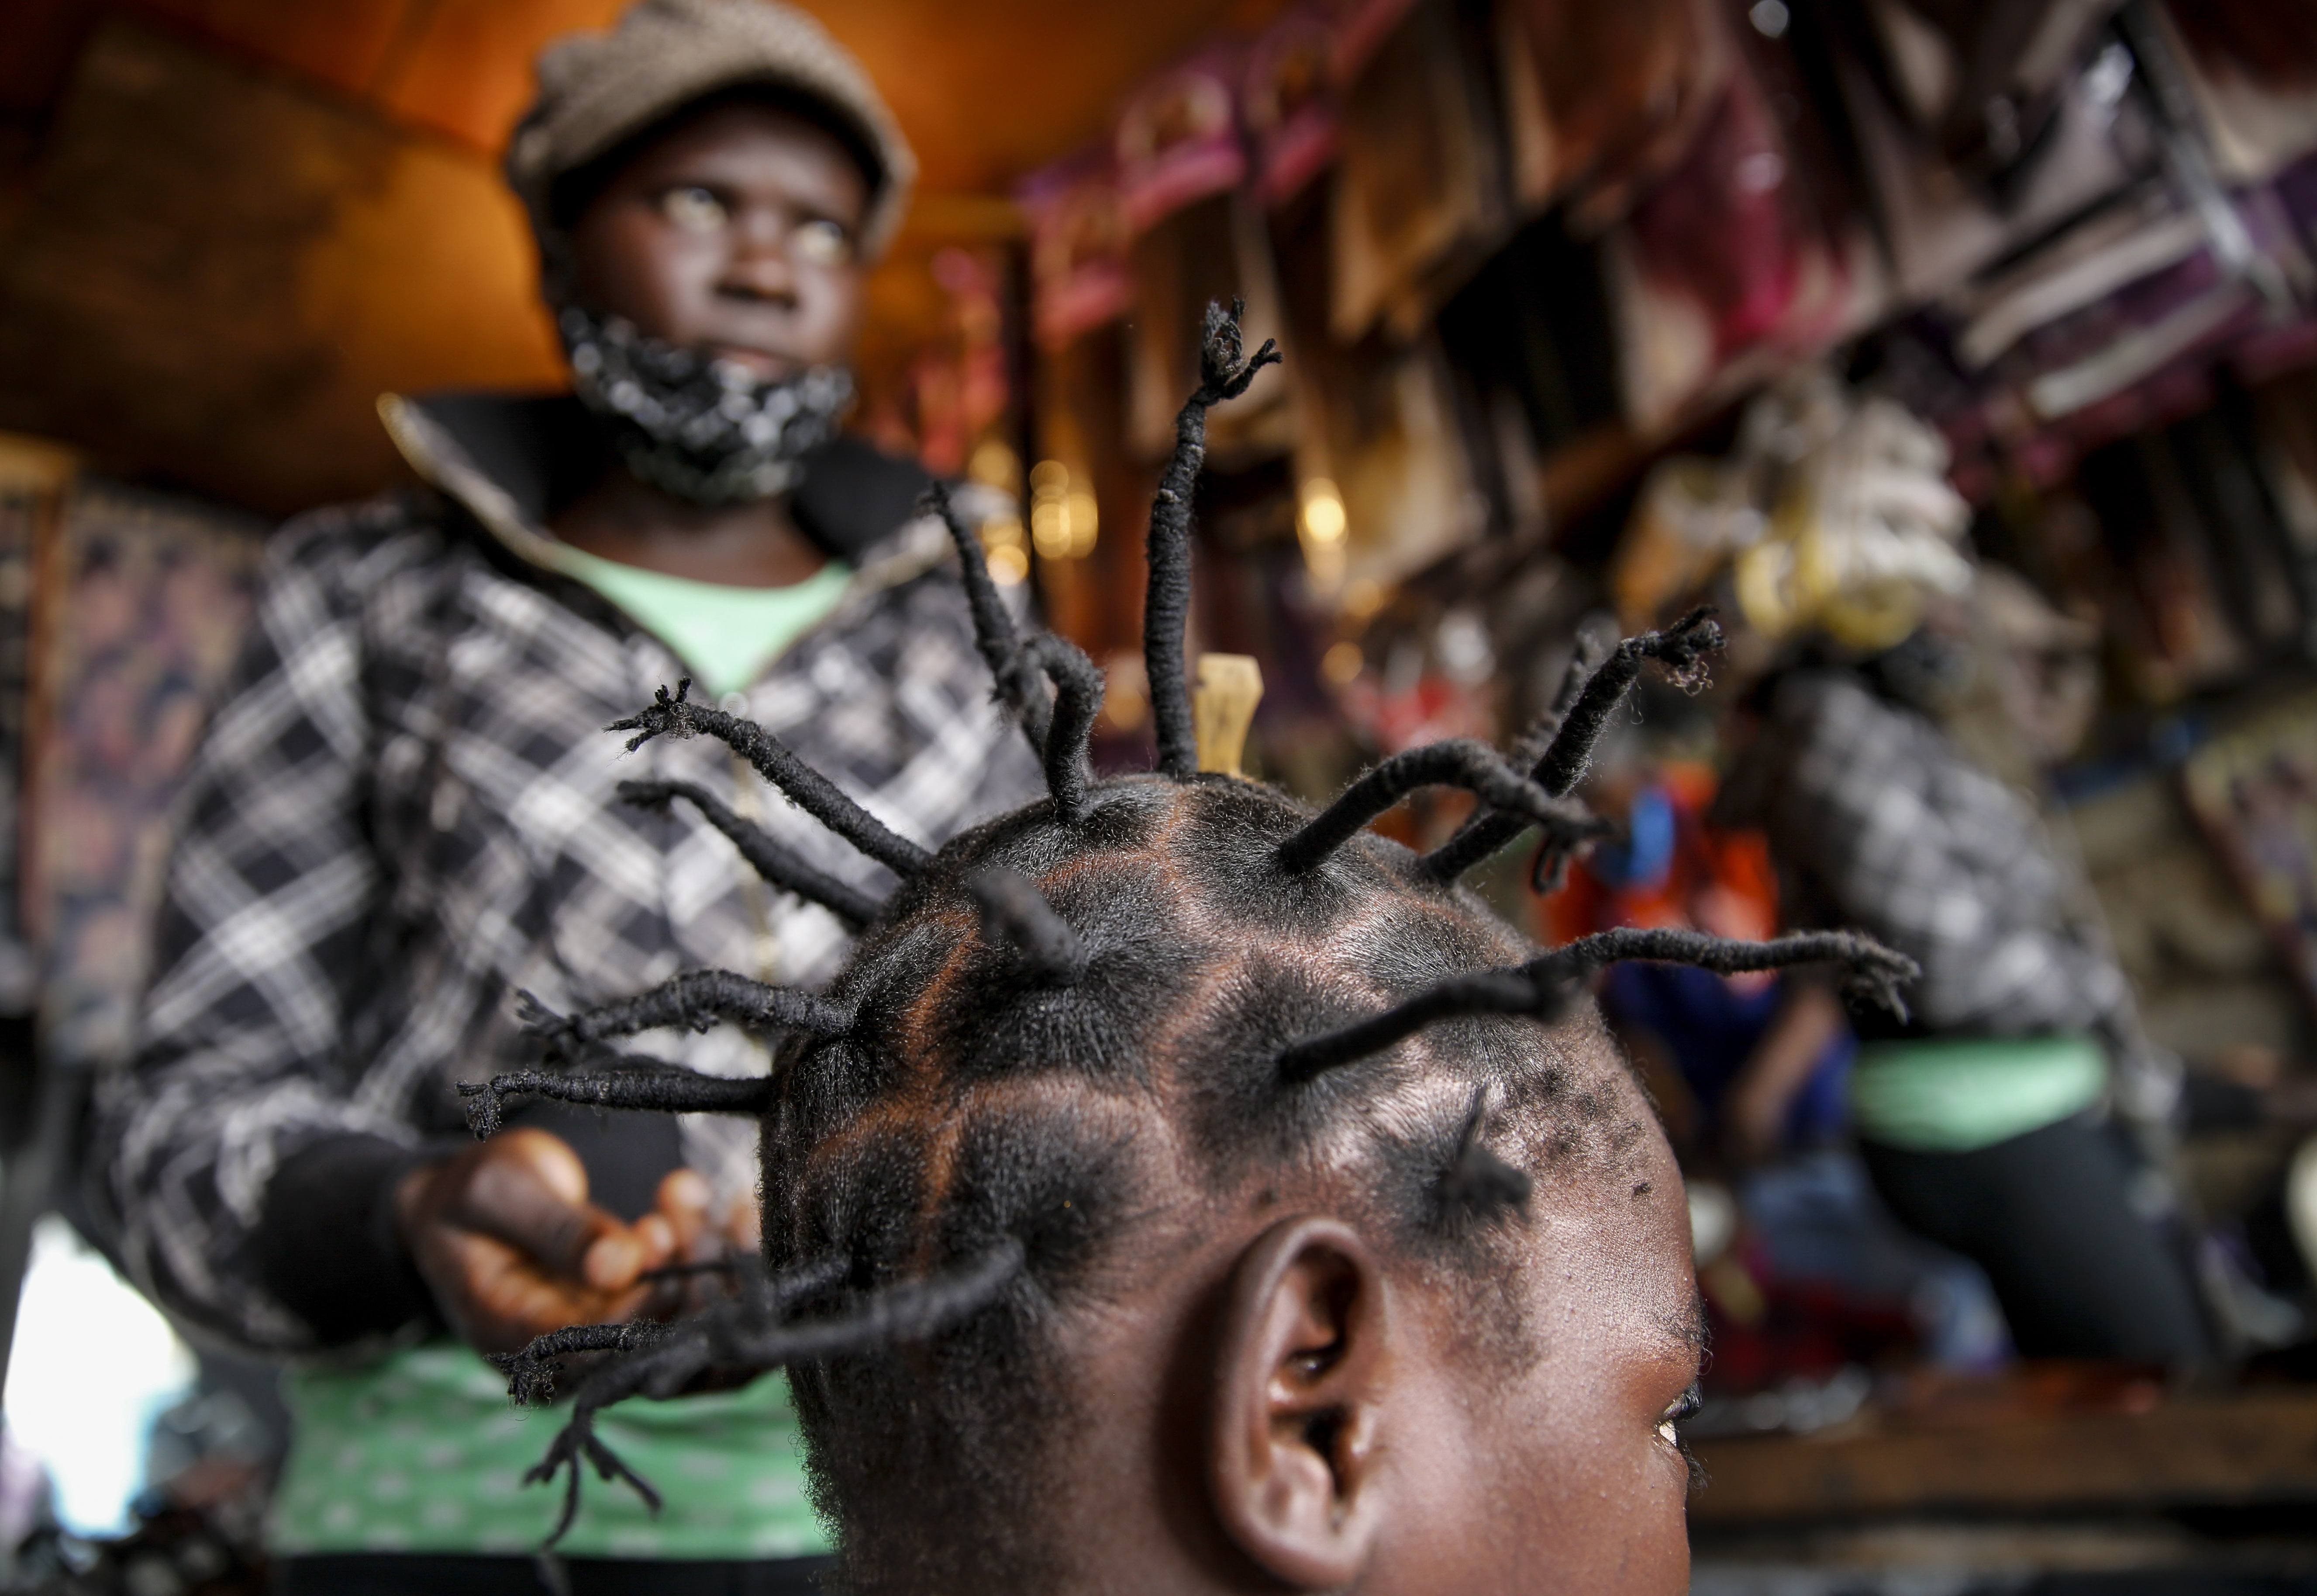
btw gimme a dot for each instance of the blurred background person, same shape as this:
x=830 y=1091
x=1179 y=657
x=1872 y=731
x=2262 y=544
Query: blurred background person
x=1984 y=1119
x=1752 y=1075
x=404 y=810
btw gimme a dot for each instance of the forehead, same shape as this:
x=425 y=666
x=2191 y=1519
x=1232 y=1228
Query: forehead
x=1633 y=1274
x=748 y=142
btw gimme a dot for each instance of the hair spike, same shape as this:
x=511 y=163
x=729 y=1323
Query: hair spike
x=1488 y=991
x=994 y=634
x=1477 y=1185
x=533 y=1372
x=774 y=864
x=753 y=1330
x=675 y=715
x=1461 y=762
x=1544 y=987
x=1584 y=658
x=1681 y=648
x=1078 y=700
x=1871 y=972
x=1014 y=911
x=1167 y=606
x=638 y=1083
x=695 y=1000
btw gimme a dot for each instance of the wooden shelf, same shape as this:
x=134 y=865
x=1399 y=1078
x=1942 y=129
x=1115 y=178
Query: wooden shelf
x=2238 y=1449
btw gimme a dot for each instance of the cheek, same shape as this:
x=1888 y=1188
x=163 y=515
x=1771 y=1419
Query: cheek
x=1595 y=1495
x=832 y=303
x=1603 y=1497
x=657 y=277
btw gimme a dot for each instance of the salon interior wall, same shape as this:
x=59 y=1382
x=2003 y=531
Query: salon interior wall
x=226 y=226
x=213 y=271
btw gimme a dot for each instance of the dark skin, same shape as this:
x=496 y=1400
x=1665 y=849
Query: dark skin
x=1330 y=1415
x=731 y=232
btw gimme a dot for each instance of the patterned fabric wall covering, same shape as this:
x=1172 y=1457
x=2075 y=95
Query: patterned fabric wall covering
x=17 y=512
x=157 y=596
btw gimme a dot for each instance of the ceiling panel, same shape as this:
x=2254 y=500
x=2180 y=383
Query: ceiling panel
x=985 y=92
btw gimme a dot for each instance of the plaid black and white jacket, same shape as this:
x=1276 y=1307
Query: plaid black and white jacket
x=1877 y=820
x=404 y=810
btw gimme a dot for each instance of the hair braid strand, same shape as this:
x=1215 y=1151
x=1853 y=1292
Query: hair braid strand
x=1167 y=607
x=675 y=715
x=777 y=867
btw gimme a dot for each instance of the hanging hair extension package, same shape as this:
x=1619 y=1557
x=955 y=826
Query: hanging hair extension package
x=1194 y=240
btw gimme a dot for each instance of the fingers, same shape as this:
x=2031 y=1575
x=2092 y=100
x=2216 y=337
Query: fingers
x=506 y=1236
x=614 y=1259
x=504 y=1300
x=530 y=1191
x=683 y=1217
x=684 y=1201
x=548 y=1156
x=744 y=1224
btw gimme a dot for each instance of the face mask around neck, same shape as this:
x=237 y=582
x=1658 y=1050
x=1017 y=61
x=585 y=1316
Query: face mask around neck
x=707 y=431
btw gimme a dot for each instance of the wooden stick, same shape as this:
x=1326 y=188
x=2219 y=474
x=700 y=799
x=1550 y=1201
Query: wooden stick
x=1230 y=687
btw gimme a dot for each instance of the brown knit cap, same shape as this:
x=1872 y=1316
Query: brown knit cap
x=596 y=89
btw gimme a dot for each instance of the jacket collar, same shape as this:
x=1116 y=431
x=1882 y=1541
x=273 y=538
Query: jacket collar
x=510 y=459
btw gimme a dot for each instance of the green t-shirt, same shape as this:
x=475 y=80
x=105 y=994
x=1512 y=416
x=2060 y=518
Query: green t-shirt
x=1960 y=1094
x=423 y=1452
x=726 y=634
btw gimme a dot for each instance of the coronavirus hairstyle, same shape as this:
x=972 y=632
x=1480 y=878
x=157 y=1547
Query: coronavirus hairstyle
x=1069 y=1027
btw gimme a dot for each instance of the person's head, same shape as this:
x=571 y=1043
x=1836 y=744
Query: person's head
x=709 y=184
x=1182 y=1190
x=733 y=228
x=1414 y=1318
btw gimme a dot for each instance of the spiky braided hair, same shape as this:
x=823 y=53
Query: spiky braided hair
x=1069 y=1027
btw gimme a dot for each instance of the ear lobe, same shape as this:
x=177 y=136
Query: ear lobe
x=1300 y=1378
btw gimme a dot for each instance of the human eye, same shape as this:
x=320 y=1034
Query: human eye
x=693 y=209
x=823 y=242
x=1682 y=1407
x=1669 y=1425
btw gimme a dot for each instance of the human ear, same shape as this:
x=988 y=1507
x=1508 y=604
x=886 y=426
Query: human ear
x=1301 y=1368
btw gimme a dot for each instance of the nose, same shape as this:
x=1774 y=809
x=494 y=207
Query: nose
x=759 y=269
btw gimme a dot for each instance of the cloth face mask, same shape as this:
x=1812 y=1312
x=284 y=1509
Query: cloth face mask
x=708 y=431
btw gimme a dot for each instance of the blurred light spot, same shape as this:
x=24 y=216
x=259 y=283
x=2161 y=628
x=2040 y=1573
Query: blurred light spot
x=1064 y=518
x=1761 y=172
x=1083 y=518
x=1323 y=511
x=1050 y=529
x=1463 y=648
x=1001 y=542
x=994 y=465
x=2108 y=75
x=1342 y=664
x=93 y=1363
x=1008 y=567
x=1126 y=693
x=1770 y=18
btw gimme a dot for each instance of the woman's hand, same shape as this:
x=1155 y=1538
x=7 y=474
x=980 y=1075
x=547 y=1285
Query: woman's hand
x=503 y=1234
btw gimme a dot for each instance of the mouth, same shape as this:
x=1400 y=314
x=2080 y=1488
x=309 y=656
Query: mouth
x=760 y=364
